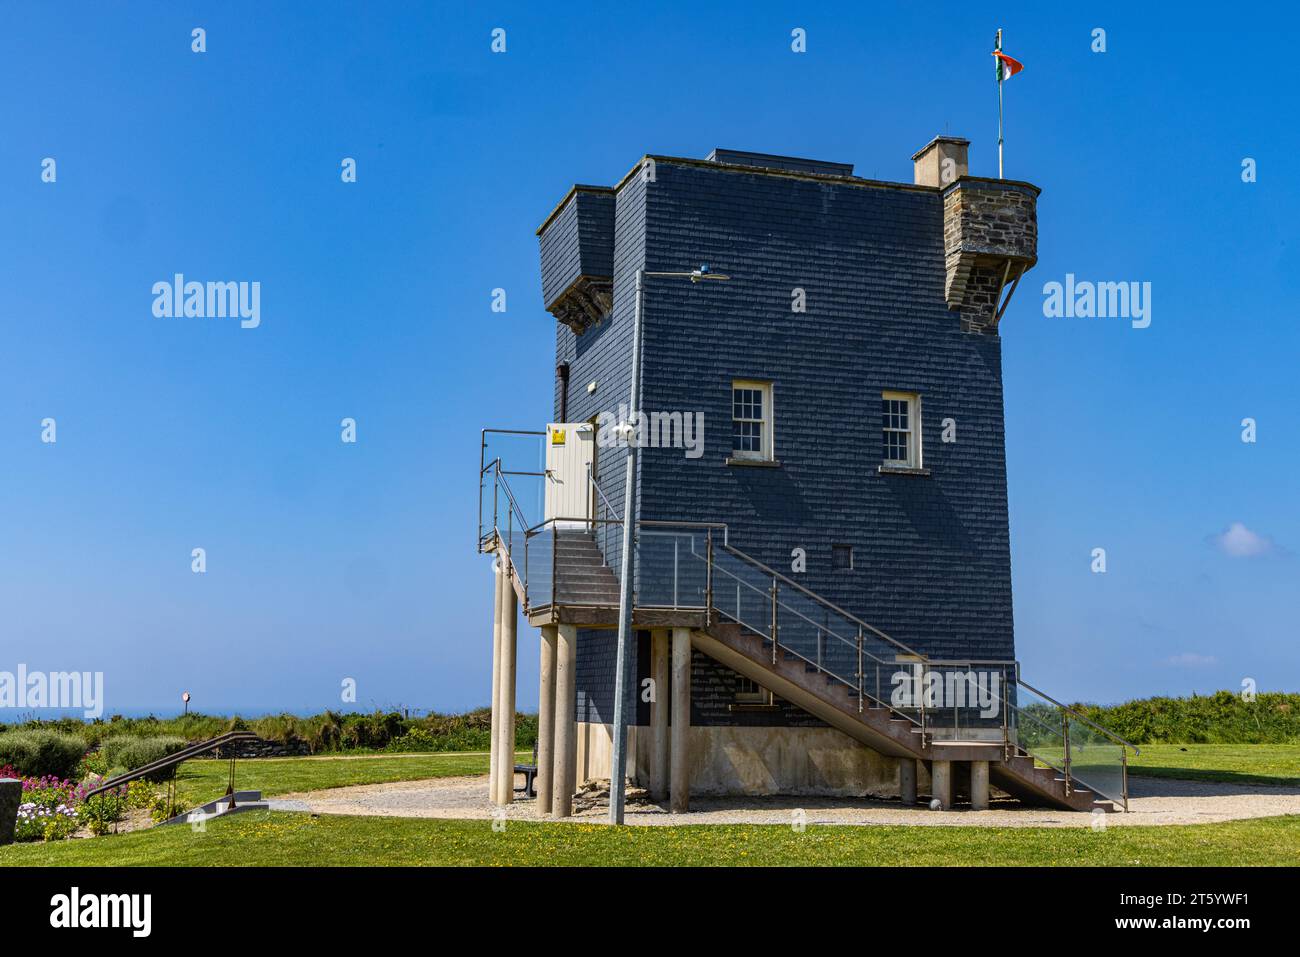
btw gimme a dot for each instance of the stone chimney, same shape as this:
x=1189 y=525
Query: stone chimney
x=990 y=232
x=940 y=161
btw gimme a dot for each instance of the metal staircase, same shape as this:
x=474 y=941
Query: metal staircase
x=807 y=650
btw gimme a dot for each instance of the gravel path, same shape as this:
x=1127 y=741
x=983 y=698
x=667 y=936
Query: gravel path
x=1152 y=801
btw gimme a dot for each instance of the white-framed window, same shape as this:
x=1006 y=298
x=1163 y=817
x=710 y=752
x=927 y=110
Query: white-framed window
x=751 y=420
x=901 y=429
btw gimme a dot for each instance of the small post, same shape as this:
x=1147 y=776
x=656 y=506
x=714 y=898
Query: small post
x=922 y=703
x=708 y=578
x=956 y=718
x=1006 y=731
x=1065 y=731
x=676 y=542
x=860 y=669
x=1124 y=773
x=773 y=621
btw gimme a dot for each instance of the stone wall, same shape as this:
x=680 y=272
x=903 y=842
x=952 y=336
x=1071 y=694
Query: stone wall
x=815 y=761
x=990 y=237
x=261 y=748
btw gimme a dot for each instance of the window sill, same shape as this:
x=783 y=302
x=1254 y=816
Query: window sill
x=901 y=470
x=755 y=463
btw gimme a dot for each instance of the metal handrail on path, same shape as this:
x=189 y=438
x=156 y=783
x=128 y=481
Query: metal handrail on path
x=171 y=760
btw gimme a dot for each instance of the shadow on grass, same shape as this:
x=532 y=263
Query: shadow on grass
x=1201 y=776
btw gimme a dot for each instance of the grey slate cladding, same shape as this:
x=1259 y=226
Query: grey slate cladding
x=579 y=241
x=771 y=161
x=931 y=553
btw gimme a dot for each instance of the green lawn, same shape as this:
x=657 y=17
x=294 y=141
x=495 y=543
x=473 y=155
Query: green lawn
x=271 y=838
x=201 y=781
x=1276 y=764
x=282 y=838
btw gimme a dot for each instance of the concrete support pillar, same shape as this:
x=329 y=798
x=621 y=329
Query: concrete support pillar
x=679 y=774
x=505 y=776
x=979 y=785
x=566 y=725
x=659 y=658
x=496 y=678
x=907 y=780
x=546 y=722
x=941 y=783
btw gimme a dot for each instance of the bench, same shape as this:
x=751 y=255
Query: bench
x=529 y=771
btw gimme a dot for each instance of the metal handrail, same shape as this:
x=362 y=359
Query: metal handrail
x=821 y=627
x=483 y=467
x=514 y=505
x=171 y=760
x=1088 y=721
x=856 y=645
x=592 y=479
x=823 y=601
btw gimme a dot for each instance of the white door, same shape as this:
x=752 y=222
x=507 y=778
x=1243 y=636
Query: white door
x=570 y=450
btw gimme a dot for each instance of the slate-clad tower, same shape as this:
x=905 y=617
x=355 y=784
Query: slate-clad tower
x=848 y=381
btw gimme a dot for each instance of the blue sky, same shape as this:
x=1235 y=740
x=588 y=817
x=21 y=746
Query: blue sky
x=328 y=560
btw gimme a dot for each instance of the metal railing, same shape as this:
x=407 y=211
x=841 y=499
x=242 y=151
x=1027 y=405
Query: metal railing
x=172 y=761
x=692 y=566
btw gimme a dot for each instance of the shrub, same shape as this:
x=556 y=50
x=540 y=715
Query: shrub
x=1221 y=718
x=372 y=731
x=324 y=732
x=132 y=753
x=100 y=812
x=36 y=752
x=140 y=794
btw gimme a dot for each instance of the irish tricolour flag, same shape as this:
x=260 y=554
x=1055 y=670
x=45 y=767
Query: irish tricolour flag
x=1007 y=66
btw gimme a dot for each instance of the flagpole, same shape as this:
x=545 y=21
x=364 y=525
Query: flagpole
x=999 y=129
x=998 y=46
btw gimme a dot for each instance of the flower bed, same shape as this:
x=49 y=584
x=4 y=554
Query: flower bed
x=54 y=809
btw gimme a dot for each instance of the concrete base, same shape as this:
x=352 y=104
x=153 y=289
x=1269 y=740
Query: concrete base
x=819 y=762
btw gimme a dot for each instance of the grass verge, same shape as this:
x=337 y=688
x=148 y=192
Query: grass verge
x=278 y=838
x=200 y=781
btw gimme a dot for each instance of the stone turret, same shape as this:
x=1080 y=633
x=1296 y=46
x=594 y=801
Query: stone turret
x=990 y=232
